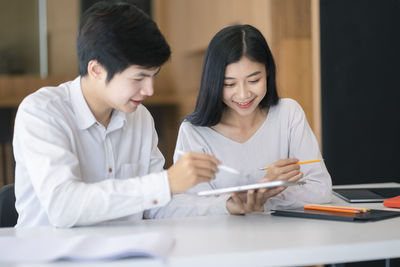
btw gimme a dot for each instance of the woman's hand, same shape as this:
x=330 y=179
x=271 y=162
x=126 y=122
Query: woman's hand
x=252 y=200
x=191 y=169
x=284 y=169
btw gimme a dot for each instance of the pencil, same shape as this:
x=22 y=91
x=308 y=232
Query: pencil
x=339 y=207
x=300 y=162
x=332 y=209
x=222 y=167
x=336 y=208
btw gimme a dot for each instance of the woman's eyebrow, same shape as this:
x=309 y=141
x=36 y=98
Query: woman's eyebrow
x=253 y=74
x=248 y=76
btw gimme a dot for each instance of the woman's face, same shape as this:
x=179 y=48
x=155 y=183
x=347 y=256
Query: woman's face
x=245 y=85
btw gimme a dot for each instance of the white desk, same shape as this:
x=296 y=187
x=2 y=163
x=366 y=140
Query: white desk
x=251 y=240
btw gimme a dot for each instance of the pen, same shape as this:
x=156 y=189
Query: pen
x=335 y=208
x=300 y=162
x=222 y=167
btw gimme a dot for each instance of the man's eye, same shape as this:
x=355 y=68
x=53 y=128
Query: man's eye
x=139 y=79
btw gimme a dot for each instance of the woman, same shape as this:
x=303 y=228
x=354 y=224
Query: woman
x=241 y=120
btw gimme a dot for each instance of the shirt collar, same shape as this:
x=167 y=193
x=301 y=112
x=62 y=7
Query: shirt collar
x=118 y=120
x=84 y=116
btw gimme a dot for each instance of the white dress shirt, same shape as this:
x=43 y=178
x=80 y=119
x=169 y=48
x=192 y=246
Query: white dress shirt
x=71 y=170
x=285 y=133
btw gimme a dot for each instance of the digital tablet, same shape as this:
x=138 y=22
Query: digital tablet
x=242 y=188
x=371 y=215
x=360 y=195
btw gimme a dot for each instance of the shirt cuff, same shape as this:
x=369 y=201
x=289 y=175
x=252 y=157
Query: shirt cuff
x=156 y=190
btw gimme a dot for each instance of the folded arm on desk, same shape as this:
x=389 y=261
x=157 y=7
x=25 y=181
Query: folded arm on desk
x=189 y=204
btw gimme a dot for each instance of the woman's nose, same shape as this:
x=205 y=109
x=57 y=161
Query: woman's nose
x=242 y=91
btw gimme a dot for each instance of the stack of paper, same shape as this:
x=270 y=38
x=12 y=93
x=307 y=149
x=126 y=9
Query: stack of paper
x=84 y=248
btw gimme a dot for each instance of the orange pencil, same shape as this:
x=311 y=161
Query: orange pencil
x=340 y=207
x=331 y=209
x=300 y=162
x=336 y=208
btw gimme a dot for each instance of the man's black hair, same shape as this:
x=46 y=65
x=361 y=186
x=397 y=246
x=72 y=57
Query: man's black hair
x=119 y=35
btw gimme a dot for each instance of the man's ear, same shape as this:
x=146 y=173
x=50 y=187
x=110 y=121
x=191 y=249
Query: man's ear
x=96 y=70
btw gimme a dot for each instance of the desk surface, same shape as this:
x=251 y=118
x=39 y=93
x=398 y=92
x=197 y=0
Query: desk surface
x=251 y=240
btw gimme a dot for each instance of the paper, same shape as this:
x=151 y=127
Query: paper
x=84 y=247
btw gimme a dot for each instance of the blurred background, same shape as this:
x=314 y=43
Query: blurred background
x=338 y=59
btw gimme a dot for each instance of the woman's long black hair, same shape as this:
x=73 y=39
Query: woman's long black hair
x=228 y=46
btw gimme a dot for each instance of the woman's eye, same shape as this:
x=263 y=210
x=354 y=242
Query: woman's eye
x=229 y=84
x=139 y=80
x=255 y=81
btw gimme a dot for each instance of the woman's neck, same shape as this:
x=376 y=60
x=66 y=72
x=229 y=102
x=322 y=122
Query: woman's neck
x=238 y=121
x=240 y=128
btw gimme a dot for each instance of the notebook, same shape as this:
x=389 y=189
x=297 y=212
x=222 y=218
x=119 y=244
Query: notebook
x=372 y=215
x=393 y=202
x=360 y=195
x=15 y=249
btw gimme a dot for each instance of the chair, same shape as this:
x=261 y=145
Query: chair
x=7 y=116
x=8 y=213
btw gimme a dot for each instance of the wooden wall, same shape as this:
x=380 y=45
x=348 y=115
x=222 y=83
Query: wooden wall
x=19 y=41
x=62 y=25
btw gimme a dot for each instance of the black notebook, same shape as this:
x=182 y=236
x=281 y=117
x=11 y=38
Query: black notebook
x=360 y=195
x=371 y=215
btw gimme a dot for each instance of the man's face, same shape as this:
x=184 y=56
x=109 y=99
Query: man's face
x=127 y=89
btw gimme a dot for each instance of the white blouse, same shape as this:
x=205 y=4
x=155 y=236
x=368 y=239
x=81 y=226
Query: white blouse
x=284 y=134
x=71 y=170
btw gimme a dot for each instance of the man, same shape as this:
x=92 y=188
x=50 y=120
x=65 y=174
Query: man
x=86 y=151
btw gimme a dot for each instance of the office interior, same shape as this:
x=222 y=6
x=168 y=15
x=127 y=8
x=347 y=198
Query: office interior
x=339 y=59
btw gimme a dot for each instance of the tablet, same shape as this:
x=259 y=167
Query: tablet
x=371 y=215
x=361 y=195
x=242 y=188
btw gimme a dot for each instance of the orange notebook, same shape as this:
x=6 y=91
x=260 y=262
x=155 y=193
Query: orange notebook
x=393 y=202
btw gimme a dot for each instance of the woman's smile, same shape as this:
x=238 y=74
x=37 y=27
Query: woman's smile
x=244 y=104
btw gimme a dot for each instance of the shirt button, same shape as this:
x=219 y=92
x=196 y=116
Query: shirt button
x=110 y=170
x=155 y=202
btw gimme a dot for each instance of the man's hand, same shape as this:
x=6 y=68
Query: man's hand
x=191 y=169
